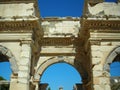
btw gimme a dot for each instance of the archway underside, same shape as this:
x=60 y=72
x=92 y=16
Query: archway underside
x=7 y=56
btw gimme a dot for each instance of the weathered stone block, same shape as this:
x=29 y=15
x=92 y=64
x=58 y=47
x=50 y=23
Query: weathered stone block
x=25 y=54
x=26 y=47
x=97 y=54
x=107 y=87
x=96 y=61
x=97 y=73
x=98 y=67
x=23 y=74
x=101 y=81
x=23 y=80
x=98 y=87
x=104 y=80
x=22 y=68
x=96 y=81
x=21 y=9
x=19 y=86
x=95 y=48
x=24 y=61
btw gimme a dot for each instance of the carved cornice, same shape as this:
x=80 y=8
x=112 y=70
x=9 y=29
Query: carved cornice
x=57 y=54
x=56 y=41
x=18 y=25
x=60 y=19
x=101 y=24
x=62 y=41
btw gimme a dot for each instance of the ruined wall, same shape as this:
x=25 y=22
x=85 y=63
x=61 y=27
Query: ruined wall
x=18 y=10
x=105 y=8
x=58 y=28
x=18 y=20
x=100 y=50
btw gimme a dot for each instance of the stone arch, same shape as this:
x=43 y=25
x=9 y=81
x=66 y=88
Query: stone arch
x=113 y=54
x=10 y=57
x=47 y=63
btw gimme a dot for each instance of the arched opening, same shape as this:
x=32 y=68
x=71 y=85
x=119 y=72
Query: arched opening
x=5 y=73
x=112 y=66
x=5 y=70
x=115 y=67
x=8 y=66
x=61 y=75
x=115 y=73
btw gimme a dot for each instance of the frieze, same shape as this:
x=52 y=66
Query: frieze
x=55 y=41
x=102 y=24
x=62 y=41
x=57 y=54
x=18 y=25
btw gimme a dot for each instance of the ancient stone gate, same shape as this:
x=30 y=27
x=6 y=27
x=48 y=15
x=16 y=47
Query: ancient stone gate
x=31 y=43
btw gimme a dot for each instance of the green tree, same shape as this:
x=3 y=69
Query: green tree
x=49 y=88
x=1 y=78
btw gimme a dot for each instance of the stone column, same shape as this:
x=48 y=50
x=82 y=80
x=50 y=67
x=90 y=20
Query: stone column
x=101 y=80
x=13 y=82
x=36 y=84
x=24 y=68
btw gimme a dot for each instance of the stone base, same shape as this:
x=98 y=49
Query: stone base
x=19 y=86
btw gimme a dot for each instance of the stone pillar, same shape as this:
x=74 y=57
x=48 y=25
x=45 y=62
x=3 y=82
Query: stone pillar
x=36 y=83
x=24 y=68
x=13 y=82
x=101 y=80
x=24 y=65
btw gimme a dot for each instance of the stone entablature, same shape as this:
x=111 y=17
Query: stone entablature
x=104 y=35
x=60 y=27
x=21 y=9
x=101 y=24
x=19 y=25
x=57 y=41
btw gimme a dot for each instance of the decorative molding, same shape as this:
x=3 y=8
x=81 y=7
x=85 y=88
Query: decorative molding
x=14 y=37
x=55 y=41
x=95 y=42
x=18 y=25
x=101 y=24
x=60 y=19
x=57 y=54
x=62 y=41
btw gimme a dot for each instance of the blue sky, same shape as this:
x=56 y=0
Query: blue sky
x=61 y=8
x=59 y=74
